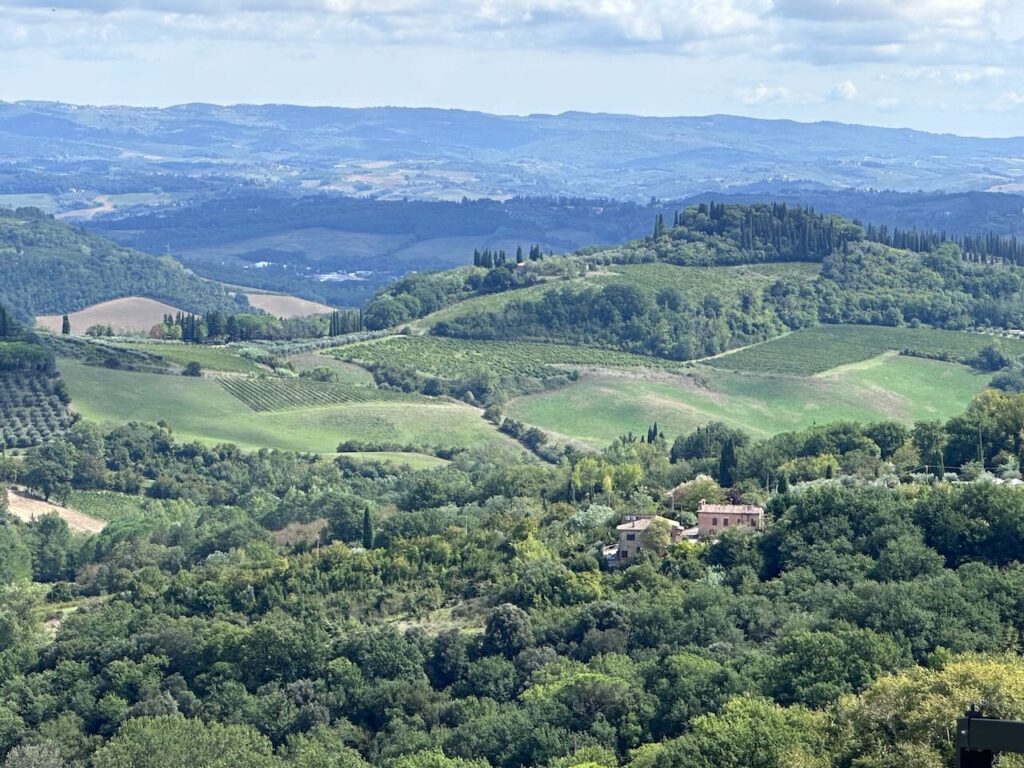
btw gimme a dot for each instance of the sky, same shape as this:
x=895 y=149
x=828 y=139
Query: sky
x=940 y=65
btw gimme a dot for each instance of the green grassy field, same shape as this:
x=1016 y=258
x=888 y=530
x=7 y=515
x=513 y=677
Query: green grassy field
x=693 y=283
x=818 y=349
x=347 y=372
x=450 y=358
x=200 y=409
x=210 y=358
x=599 y=408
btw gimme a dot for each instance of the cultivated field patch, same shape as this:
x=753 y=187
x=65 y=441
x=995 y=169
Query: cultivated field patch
x=281 y=305
x=266 y=394
x=28 y=508
x=825 y=347
x=133 y=313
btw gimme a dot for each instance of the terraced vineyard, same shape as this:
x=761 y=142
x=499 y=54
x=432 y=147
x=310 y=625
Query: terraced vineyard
x=819 y=349
x=31 y=410
x=449 y=358
x=267 y=394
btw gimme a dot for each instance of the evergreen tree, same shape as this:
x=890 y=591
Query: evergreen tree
x=367 y=529
x=727 y=464
x=65 y=325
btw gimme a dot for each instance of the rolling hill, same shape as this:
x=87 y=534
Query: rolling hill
x=50 y=267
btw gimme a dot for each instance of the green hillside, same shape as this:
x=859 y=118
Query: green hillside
x=691 y=283
x=51 y=268
x=202 y=409
x=718 y=278
x=814 y=350
x=602 y=406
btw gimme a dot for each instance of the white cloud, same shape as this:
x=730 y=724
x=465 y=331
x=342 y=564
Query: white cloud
x=844 y=91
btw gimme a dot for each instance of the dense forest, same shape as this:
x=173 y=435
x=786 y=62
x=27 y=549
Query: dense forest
x=52 y=268
x=273 y=609
x=877 y=277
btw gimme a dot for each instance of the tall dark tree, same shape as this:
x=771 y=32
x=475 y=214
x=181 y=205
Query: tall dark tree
x=65 y=325
x=727 y=464
x=368 y=529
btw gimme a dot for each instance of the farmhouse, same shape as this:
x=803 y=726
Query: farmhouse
x=712 y=519
x=632 y=537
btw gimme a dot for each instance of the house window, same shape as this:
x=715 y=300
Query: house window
x=725 y=522
x=630 y=537
x=624 y=554
x=714 y=521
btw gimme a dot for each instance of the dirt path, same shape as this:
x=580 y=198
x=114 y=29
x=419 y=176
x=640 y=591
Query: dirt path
x=28 y=508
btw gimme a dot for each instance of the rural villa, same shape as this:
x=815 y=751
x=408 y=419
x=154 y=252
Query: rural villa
x=714 y=518
x=711 y=520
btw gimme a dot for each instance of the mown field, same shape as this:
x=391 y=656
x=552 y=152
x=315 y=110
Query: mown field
x=451 y=358
x=693 y=283
x=201 y=409
x=132 y=313
x=601 y=407
x=818 y=349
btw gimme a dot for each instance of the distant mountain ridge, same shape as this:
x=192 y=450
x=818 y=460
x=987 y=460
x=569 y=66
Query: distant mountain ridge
x=444 y=154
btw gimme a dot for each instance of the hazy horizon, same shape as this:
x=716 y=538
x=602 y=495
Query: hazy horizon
x=943 y=66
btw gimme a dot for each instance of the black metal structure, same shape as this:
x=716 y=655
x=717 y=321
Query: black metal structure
x=980 y=739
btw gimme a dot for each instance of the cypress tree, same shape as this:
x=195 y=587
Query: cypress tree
x=65 y=325
x=727 y=464
x=367 y=529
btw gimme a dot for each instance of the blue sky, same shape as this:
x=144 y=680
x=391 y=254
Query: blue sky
x=941 y=65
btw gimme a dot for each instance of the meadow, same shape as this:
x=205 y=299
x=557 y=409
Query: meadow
x=347 y=373
x=201 y=409
x=210 y=358
x=600 y=407
x=824 y=347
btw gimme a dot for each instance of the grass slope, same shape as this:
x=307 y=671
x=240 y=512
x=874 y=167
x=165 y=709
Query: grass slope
x=818 y=349
x=200 y=409
x=210 y=358
x=599 y=407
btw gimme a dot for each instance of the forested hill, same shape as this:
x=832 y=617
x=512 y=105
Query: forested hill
x=49 y=267
x=853 y=274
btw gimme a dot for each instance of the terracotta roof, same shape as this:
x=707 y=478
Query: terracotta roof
x=642 y=524
x=730 y=509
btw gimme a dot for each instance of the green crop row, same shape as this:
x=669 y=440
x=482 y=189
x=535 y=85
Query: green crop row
x=268 y=394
